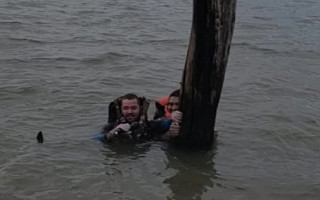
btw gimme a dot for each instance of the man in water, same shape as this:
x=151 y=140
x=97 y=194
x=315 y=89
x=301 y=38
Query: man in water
x=167 y=108
x=128 y=119
x=125 y=115
x=167 y=105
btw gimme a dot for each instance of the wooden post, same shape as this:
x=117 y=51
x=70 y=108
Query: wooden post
x=203 y=76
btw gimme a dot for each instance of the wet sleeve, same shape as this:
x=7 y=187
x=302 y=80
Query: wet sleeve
x=161 y=126
x=108 y=127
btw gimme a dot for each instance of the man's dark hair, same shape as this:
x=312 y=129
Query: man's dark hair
x=130 y=96
x=175 y=93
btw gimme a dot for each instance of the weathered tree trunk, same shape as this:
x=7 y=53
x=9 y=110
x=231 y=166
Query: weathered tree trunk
x=211 y=34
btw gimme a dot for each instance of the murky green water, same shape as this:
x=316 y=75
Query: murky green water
x=62 y=62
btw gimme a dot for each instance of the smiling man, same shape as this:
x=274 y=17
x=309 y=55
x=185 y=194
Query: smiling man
x=167 y=105
x=129 y=115
x=130 y=108
x=168 y=108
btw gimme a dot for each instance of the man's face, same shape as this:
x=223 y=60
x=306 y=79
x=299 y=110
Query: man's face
x=173 y=104
x=130 y=109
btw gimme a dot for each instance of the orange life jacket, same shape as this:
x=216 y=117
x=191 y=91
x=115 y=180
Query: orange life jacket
x=164 y=102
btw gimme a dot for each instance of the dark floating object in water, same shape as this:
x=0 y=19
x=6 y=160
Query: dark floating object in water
x=40 y=137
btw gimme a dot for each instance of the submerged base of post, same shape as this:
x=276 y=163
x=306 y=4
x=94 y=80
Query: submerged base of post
x=192 y=143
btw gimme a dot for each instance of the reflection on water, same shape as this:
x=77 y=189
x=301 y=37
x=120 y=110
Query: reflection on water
x=194 y=172
x=127 y=149
x=184 y=174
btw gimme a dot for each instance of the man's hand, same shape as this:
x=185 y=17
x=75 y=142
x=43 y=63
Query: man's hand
x=176 y=116
x=123 y=127
x=120 y=128
x=174 y=129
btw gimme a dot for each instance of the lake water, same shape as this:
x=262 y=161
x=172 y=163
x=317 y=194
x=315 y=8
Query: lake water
x=62 y=62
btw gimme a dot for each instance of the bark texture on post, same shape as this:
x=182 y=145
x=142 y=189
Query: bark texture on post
x=203 y=76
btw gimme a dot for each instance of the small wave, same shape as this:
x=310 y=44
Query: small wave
x=263 y=18
x=116 y=54
x=255 y=27
x=298 y=52
x=10 y=22
x=265 y=50
x=27 y=40
x=240 y=44
x=16 y=60
x=165 y=40
x=13 y=60
x=254 y=47
x=54 y=59
x=82 y=39
x=102 y=58
x=8 y=91
x=65 y=59
x=97 y=60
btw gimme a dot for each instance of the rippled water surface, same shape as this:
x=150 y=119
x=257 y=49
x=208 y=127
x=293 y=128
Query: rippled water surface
x=62 y=62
